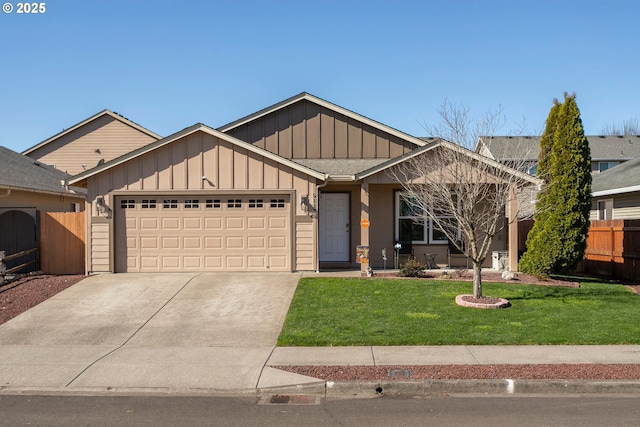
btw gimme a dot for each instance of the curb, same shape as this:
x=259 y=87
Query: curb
x=505 y=387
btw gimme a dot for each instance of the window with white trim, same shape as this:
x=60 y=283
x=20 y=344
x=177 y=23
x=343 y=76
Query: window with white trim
x=412 y=224
x=191 y=204
x=277 y=203
x=170 y=204
x=148 y=204
x=234 y=203
x=605 y=209
x=212 y=204
x=256 y=203
x=603 y=166
x=127 y=204
x=409 y=220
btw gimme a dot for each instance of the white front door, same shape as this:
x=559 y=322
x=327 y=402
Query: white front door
x=334 y=226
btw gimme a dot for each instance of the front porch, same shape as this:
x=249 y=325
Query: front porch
x=366 y=215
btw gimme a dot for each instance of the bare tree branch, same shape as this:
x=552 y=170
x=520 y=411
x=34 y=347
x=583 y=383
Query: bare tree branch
x=462 y=193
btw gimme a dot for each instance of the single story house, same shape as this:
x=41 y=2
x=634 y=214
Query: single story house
x=616 y=193
x=296 y=186
x=98 y=139
x=606 y=151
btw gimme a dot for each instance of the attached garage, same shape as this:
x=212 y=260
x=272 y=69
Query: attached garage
x=199 y=200
x=171 y=233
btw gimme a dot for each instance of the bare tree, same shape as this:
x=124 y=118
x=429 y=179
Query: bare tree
x=629 y=127
x=462 y=194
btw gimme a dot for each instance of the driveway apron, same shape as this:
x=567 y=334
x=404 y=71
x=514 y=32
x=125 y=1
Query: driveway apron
x=211 y=331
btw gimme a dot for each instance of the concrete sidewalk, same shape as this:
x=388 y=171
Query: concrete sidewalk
x=283 y=382
x=216 y=333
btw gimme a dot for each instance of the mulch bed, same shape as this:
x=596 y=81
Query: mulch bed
x=26 y=292
x=495 y=277
x=593 y=371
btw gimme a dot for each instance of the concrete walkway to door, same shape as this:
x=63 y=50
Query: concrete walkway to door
x=162 y=332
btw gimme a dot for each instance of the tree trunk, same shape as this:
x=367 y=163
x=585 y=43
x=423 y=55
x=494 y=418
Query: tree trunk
x=477 y=280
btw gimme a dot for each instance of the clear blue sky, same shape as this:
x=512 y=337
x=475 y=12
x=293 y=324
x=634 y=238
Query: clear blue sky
x=170 y=64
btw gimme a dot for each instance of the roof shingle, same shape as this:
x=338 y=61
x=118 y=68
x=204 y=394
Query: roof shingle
x=21 y=172
x=617 y=148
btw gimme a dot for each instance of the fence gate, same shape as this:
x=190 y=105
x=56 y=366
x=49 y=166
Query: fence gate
x=62 y=242
x=18 y=234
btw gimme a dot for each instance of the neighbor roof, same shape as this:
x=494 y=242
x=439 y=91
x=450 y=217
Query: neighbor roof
x=23 y=173
x=187 y=131
x=319 y=101
x=90 y=119
x=449 y=146
x=624 y=178
x=610 y=147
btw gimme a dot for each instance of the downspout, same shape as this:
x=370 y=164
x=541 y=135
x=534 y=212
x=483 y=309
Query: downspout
x=316 y=228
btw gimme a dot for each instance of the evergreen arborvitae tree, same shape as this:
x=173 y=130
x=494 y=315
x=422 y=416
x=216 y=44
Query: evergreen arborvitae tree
x=546 y=142
x=559 y=235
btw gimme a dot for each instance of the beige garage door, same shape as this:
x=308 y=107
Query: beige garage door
x=226 y=233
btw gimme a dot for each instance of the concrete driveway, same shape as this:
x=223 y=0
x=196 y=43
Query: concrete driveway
x=212 y=331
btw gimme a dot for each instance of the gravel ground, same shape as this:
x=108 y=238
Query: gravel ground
x=22 y=294
x=465 y=372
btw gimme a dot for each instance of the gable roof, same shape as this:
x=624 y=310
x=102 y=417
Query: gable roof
x=326 y=104
x=450 y=146
x=187 y=131
x=610 y=147
x=23 y=173
x=624 y=178
x=112 y=114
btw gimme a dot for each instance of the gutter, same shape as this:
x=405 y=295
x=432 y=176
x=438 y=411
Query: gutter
x=616 y=191
x=32 y=190
x=341 y=178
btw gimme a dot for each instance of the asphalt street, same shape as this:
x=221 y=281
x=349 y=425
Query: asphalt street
x=157 y=411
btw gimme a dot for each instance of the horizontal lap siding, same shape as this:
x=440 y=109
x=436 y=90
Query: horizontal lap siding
x=305 y=130
x=304 y=246
x=626 y=206
x=99 y=247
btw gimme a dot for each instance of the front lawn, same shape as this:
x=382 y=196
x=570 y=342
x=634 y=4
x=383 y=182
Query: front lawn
x=354 y=311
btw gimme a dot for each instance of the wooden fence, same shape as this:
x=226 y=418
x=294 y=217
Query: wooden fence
x=4 y=258
x=613 y=249
x=62 y=242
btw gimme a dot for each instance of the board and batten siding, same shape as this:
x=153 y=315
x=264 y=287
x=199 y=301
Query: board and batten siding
x=201 y=162
x=305 y=130
x=104 y=138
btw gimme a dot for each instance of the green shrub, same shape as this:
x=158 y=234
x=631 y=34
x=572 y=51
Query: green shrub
x=412 y=268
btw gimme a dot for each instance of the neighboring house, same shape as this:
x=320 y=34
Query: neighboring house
x=606 y=151
x=616 y=193
x=93 y=141
x=293 y=187
x=28 y=186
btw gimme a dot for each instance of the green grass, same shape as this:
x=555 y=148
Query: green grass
x=348 y=311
